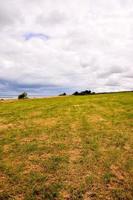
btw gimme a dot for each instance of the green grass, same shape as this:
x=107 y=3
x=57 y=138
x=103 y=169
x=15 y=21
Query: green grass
x=67 y=148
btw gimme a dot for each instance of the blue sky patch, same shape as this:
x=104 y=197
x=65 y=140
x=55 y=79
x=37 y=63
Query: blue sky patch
x=31 y=35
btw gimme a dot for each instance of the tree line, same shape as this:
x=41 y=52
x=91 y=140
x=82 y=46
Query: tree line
x=24 y=95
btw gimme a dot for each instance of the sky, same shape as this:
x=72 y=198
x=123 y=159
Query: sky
x=52 y=46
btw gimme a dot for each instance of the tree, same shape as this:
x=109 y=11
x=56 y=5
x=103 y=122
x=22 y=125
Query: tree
x=76 y=93
x=86 y=92
x=24 y=95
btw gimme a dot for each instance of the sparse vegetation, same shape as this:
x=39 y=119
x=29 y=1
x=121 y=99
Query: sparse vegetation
x=69 y=148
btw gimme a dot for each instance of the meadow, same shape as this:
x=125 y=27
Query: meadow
x=67 y=148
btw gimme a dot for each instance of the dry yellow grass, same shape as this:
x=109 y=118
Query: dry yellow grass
x=67 y=148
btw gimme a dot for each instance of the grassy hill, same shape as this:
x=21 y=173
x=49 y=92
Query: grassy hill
x=67 y=148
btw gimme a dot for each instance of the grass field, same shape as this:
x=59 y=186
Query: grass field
x=67 y=148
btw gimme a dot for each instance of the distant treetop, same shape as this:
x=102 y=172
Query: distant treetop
x=86 y=92
x=24 y=95
x=63 y=94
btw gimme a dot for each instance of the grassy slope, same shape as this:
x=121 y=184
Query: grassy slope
x=67 y=148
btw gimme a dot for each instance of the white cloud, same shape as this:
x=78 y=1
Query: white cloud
x=90 y=44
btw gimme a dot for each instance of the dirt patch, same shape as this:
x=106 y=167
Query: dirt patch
x=96 y=118
x=26 y=140
x=75 y=126
x=77 y=105
x=42 y=137
x=117 y=173
x=19 y=197
x=49 y=122
x=86 y=196
x=3 y=182
x=2 y=177
x=39 y=138
x=74 y=173
x=5 y=126
x=35 y=114
x=32 y=167
x=74 y=155
x=65 y=195
x=6 y=148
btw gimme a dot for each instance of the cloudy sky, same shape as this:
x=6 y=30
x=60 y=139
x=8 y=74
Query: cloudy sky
x=53 y=46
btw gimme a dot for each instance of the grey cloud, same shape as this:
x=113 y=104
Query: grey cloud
x=113 y=83
x=9 y=13
x=53 y=18
x=111 y=70
x=12 y=87
x=129 y=76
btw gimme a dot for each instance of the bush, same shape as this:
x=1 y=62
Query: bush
x=76 y=93
x=86 y=92
x=24 y=95
x=63 y=94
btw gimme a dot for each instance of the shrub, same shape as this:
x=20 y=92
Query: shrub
x=86 y=92
x=63 y=94
x=76 y=93
x=24 y=95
